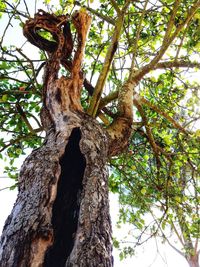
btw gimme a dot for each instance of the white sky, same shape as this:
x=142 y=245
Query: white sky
x=151 y=254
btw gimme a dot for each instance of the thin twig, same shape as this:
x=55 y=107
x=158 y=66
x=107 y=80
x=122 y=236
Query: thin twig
x=101 y=16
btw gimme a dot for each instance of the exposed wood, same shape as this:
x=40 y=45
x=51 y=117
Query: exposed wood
x=121 y=128
x=30 y=230
x=61 y=215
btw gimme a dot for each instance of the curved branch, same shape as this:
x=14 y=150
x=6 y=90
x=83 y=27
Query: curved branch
x=161 y=65
x=21 y=138
x=162 y=113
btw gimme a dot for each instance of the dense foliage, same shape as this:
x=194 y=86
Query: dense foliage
x=158 y=174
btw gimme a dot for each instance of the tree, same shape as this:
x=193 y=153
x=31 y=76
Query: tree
x=61 y=215
x=167 y=208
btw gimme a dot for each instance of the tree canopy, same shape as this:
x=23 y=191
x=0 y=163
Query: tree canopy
x=149 y=46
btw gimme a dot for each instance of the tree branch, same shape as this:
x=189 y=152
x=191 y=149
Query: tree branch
x=162 y=113
x=101 y=16
x=31 y=64
x=115 y=5
x=112 y=96
x=96 y=97
x=3 y=77
x=8 y=24
x=155 y=147
x=177 y=64
x=167 y=40
x=139 y=28
x=21 y=138
x=24 y=118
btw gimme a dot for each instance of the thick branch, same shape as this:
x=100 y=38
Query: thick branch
x=107 y=99
x=81 y=21
x=96 y=97
x=121 y=128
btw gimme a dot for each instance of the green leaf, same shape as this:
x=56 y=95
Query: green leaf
x=143 y=191
x=4 y=98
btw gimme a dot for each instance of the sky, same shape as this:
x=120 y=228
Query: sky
x=152 y=254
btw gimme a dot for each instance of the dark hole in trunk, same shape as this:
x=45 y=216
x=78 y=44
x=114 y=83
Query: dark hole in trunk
x=67 y=203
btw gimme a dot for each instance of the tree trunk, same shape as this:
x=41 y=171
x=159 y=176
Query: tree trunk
x=61 y=215
x=193 y=261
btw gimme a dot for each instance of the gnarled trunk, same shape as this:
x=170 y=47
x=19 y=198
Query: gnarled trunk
x=61 y=215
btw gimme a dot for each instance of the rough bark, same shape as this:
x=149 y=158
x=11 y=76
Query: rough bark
x=61 y=215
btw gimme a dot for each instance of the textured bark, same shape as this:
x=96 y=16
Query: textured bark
x=62 y=212
x=61 y=215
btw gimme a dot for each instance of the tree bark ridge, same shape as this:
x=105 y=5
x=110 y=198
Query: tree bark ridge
x=61 y=215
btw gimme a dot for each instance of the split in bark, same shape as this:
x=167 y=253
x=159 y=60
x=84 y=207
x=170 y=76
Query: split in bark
x=61 y=215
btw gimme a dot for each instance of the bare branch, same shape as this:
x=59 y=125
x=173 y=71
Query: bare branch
x=31 y=64
x=23 y=14
x=4 y=77
x=24 y=118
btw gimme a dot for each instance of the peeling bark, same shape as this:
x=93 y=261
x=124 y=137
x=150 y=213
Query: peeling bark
x=61 y=215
